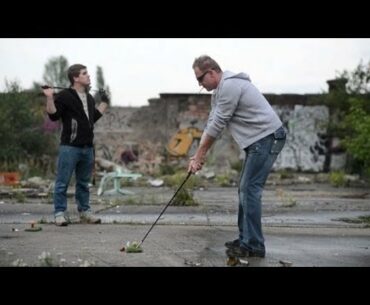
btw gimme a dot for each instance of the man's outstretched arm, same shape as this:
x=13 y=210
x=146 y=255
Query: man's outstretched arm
x=197 y=161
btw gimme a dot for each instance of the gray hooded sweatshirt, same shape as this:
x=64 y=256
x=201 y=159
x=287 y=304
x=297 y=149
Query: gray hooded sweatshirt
x=238 y=104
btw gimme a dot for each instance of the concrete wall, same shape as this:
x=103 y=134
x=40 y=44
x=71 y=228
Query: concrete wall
x=148 y=129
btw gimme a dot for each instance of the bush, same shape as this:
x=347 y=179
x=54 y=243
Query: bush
x=337 y=178
x=184 y=198
x=357 y=143
x=21 y=133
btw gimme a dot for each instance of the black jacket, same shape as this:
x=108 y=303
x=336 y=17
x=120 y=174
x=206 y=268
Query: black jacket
x=78 y=130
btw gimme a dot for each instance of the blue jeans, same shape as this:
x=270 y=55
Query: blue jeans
x=259 y=159
x=72 y=159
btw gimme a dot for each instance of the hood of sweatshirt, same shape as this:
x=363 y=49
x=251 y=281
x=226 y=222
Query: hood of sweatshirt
x=242 y=75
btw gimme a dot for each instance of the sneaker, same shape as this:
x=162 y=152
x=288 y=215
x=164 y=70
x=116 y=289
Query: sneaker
x=66 y=216
x=60 y=220
x=232 y=243
x=242 y=252
x=88 y=217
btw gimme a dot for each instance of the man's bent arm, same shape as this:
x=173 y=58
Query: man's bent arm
x=50 y=105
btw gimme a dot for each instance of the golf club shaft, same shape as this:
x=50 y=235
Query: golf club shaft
x=56 y=87
x=164 y=209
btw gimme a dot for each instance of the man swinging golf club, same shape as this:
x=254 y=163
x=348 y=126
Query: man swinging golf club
x=257 y=129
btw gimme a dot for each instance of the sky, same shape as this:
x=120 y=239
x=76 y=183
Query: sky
x=142 y=68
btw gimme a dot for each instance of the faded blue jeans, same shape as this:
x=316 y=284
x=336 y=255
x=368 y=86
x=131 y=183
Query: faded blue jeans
x=73 y=159
x=259 y=159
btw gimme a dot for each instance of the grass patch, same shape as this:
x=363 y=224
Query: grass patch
x=337 y=178
x=287 y=200
x=19 y=197
x=361 y=219
x=284 y=174
x=237 y=165
x=184 y=198
x=130 y=201
x=166 y=169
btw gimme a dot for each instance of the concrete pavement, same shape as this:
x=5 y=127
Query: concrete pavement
x=302 y=224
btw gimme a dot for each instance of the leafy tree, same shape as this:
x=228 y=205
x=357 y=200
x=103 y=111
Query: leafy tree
x=100 y=82
x=350 y=110
x=56 y=72
x=358 y=79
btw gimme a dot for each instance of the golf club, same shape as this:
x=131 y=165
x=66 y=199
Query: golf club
x=164 y=209
x=56 y=87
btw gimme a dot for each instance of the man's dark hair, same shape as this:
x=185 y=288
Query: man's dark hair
x=205 y=62
x=74 y=71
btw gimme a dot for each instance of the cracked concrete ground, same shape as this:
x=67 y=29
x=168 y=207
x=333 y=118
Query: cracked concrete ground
x=302 y=226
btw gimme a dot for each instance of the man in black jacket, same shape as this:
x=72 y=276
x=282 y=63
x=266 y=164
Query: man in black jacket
x=76 y=108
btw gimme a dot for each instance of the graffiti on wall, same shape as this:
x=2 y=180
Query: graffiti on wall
x=304 y=150
x=305 y=147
